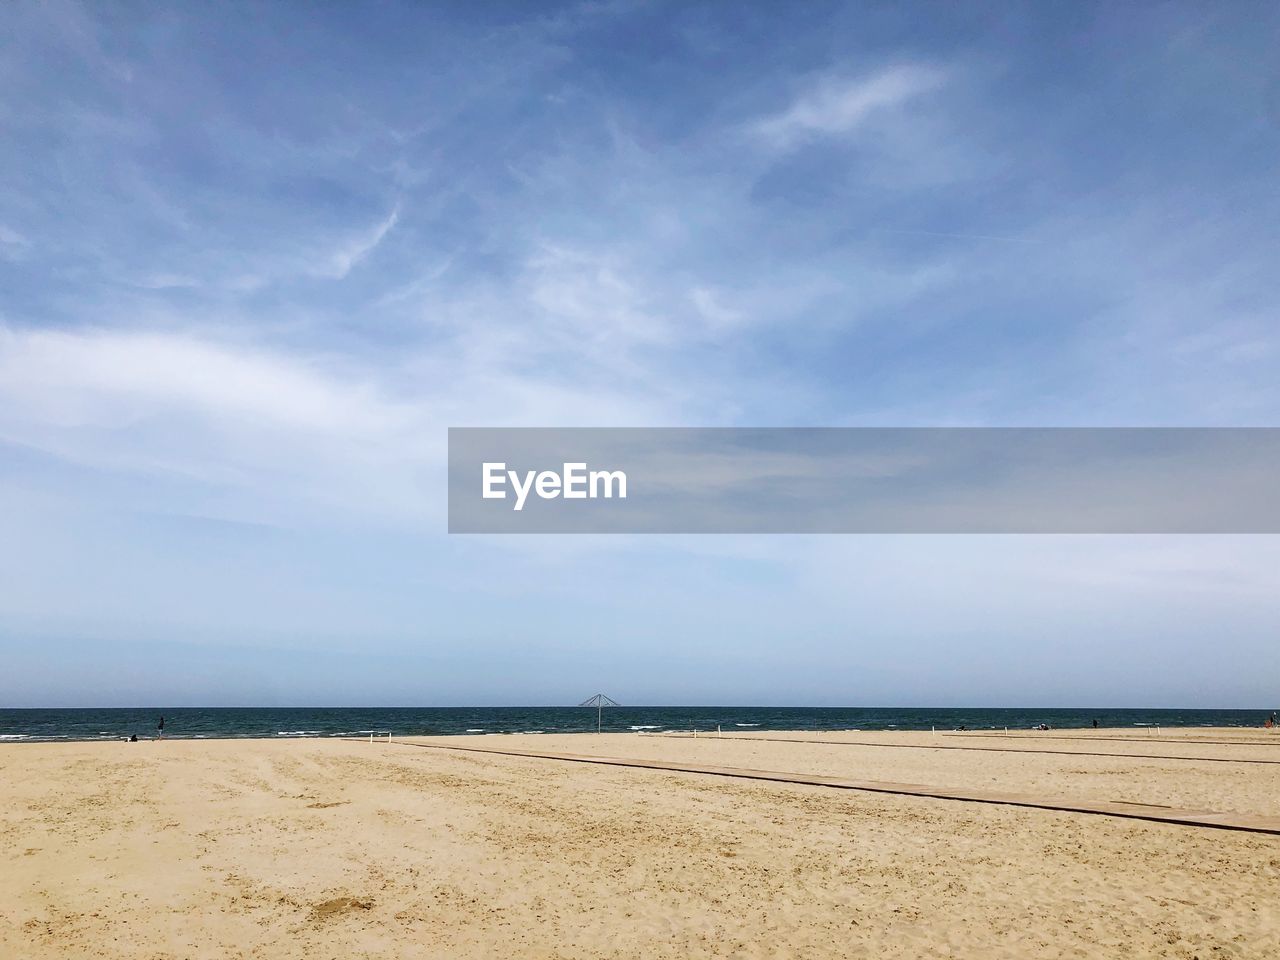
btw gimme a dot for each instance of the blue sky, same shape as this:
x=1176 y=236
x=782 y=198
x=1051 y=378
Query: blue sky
x=255 y=259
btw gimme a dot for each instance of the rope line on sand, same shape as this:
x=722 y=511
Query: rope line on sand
x=1119 y=809
x=980 y=734
x=947 y=746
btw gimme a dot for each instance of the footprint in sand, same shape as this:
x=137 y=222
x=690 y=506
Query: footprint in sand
x=338 y=906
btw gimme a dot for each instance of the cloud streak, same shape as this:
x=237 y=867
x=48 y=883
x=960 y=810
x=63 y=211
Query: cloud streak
x=838 y=106
x=343 y=260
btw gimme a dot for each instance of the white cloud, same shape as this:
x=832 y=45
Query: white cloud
x=712 y=309
x=167 y=281
x=839 y=105
x=112 y=378
x=12 y=244
x=198 y=415
x=587 y=298
x=342 y=260
x=287 y=437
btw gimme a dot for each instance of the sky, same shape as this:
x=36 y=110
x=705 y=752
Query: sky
x=256 y=259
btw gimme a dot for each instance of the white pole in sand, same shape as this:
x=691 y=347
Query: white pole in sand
x=599 y=701
x=719 y=732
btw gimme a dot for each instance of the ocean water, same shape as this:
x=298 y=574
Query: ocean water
x=19 y=726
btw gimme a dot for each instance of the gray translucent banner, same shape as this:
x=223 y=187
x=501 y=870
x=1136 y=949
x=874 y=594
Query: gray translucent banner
x=864 y=480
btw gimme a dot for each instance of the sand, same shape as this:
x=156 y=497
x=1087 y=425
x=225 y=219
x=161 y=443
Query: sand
x=328 y=848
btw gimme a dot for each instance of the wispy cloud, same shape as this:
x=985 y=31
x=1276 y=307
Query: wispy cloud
x=958 y=236
x=837 y=105
x=341 y=261
x=265 y=428
x=113 y=378
x=12 y=243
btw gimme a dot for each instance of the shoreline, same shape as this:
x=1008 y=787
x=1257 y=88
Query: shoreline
x=1153 y=733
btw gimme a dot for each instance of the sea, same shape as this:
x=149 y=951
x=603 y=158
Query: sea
x=218 y=723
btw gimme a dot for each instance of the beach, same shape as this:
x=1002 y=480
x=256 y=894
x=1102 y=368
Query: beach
x=439 y=847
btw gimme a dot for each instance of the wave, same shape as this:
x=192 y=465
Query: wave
x=646 y=726
x=297 y=733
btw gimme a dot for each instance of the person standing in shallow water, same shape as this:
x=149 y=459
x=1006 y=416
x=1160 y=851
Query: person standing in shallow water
x=160 y=729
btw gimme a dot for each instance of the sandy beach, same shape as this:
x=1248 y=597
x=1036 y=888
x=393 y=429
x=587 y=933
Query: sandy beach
x=336 y=848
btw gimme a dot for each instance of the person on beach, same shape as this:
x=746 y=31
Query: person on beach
x=160 y=729
x=1095 y=723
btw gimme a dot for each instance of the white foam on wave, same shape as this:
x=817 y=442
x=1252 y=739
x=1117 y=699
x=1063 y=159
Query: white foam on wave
x=14 y=736
x=643 y=726
x=297 y=733
x=746 y=724
x=475 y=730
